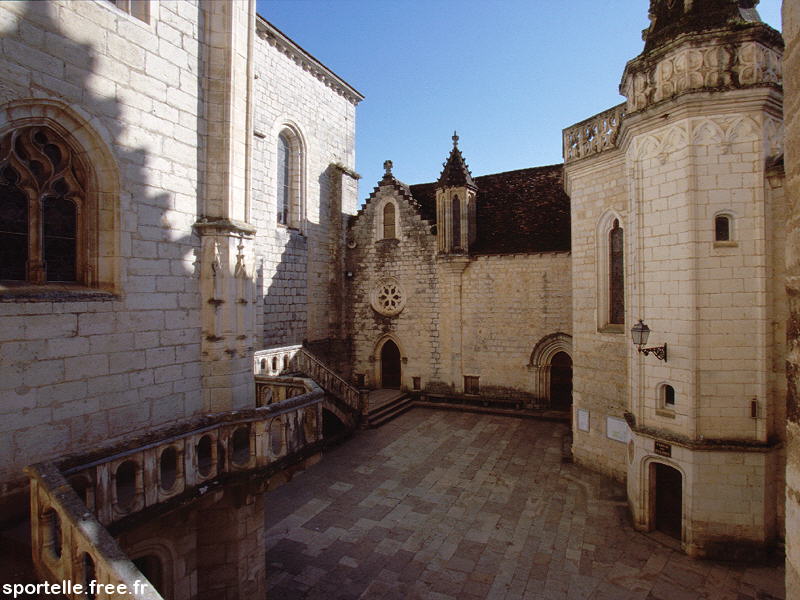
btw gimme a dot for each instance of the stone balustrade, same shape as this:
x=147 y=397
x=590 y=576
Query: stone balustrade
x=73 y=501
x=594 y=135
x=71 y=546
x=278 y=361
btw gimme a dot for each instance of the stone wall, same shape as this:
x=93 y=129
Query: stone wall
x=598 y=191
x=509 y=303
x=791 y=32
x=296 y=262
x=83 y=366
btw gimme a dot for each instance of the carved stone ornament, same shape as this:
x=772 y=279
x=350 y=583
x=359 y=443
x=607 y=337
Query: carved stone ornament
x=388 y=297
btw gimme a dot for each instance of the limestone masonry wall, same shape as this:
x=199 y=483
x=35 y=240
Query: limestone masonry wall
x=296 y=262
x=80 y=368
x=598 y=191
x=791 y=32
x=509 y=304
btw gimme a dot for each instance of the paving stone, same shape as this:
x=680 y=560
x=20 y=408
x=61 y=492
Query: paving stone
x=440 y=505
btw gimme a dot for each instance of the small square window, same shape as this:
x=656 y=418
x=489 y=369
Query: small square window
x=471 y=385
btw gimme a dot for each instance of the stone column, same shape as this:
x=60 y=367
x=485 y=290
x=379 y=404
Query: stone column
x=791 y=111
x=231 y=548
x=227 y=256
x=451 y=269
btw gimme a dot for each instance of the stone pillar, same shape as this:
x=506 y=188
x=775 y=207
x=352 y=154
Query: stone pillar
x=791 y=83
x=451 y=269
x=227 y=254
x=231 y=559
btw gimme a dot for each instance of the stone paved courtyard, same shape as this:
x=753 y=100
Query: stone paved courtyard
x=440 y=504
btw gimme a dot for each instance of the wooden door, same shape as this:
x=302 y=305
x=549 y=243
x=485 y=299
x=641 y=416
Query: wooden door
x=390 y=366
x=561 y=381
x=668 y=500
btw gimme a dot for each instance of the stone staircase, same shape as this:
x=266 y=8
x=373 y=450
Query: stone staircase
x=385 y=405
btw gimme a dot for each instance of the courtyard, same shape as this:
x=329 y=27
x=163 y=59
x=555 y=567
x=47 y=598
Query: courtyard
x=441 y=505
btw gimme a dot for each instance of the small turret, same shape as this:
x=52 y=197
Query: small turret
x=670 y=18
x=455 y=204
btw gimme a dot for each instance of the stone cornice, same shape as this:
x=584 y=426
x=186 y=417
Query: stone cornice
x=279 y=40
x=206 y=226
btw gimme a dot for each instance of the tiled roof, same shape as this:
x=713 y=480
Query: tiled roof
x=517 y=211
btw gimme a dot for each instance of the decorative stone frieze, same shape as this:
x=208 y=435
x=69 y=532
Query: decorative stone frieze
x=710 y=62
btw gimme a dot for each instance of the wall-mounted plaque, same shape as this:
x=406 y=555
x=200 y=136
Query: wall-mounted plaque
x=617 y=430
x=583 y=419
x=662 y=448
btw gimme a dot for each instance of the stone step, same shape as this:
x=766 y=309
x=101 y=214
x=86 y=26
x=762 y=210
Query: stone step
x=385 y=413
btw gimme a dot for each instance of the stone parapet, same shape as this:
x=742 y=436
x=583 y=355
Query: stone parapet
x=593 y=135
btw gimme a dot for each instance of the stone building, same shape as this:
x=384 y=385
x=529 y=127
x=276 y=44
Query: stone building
x=461 y=288
x=175 y=180
x=178 y=193
x=678 y=223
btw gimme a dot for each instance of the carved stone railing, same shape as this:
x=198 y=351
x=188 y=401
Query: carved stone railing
x=72 y=501
x=72 y=547
x=275 y=362
x=594 y=135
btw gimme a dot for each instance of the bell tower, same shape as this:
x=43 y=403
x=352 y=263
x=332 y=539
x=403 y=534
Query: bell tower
x=455 y=205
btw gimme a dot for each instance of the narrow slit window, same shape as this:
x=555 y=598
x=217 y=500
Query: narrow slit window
x=722 y=228
x=668 y=396
x=616 y=284
x=284 y=180
x=388 y=222
x=456 y=223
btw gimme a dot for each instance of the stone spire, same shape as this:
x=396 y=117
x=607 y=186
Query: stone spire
x=455 y=172
x=670 y=18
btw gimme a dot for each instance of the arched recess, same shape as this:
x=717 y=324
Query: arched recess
x=381 y=355
x=157 y=561
x=290 y=182
x=608 y=222
x=100 y=212
x=541 y=363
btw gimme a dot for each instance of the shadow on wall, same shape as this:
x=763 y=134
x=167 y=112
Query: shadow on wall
x=308 y=273
x=80 y=374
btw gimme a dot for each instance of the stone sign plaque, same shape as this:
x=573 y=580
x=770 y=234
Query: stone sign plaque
x=662 y=448
x=583 y=419
x=617 y=429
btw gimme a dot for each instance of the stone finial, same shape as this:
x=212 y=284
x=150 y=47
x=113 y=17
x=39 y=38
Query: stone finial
x=455 y=140
x=387 y=165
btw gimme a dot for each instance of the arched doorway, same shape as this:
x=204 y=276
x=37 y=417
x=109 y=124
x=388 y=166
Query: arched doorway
x=390 y=365
x=561 y=381
x=667 y=499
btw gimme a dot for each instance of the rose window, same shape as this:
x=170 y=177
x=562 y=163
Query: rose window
x=388 y=297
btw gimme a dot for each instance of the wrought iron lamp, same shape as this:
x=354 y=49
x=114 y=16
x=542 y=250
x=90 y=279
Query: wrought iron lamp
x=640 y=332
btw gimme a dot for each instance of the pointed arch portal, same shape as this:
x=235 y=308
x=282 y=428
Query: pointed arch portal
x=390 y=365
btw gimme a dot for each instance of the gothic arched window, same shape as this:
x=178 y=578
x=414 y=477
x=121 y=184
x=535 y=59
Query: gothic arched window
x=456 y=223
x=42 y=193
x=284 y=180
x=389 y=221
x=616 y=275
x=289 y=178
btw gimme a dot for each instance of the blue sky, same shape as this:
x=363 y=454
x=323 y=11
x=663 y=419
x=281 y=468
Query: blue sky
x=509 y=75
